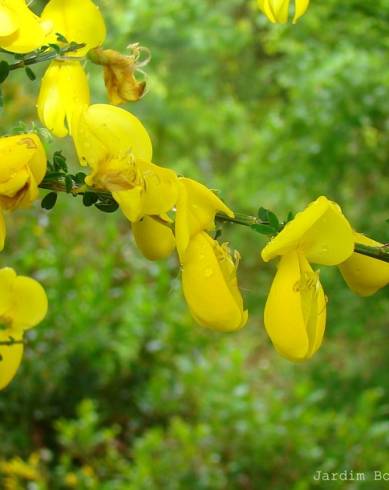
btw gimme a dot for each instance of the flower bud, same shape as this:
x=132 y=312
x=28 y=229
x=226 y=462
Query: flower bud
x=154 y=237
x=365 y=275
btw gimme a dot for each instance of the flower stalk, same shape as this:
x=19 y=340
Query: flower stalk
x=58 y=184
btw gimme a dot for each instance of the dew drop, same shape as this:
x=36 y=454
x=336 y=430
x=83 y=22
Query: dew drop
x=208 y=272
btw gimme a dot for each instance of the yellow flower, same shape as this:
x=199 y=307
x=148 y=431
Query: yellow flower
x=295 y=311
x=365 y=275
x=278 y=10
x=22 y=170
x=64 y=92
x=154 y=237
x=21 y=30
x=195 y=211
x=105 y=132
x=210 y=285
x=119 y=74
x=79 y=21
x=140 y=188
x=320 y=232
x=23 y=304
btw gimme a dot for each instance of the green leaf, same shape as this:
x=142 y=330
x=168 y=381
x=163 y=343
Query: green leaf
x=4 y=70
x=269 y=217
x=68 y=184
x=31 y=75
x=109 y=207
x=56 y=48
x=59 y=161
x=273 y=220
x=264 y=229
x=79 y=178
x=89 y=198
x=61 y=38
x=289 y=217
x=263 y=214
x=49 y=201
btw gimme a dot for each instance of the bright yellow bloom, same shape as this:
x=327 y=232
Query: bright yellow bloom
x=210 y=285
x=140 y=188
x=195 y=211
x=21 y=30
x=105 y=132
x=64 y=92
x=118 y=148
x=79 y=21
x=295 y=312
x=320 y=232
x=23 y=304
x=277 y=11
x=119 y=74
x=154 y=237
x=23 y=166
x=365 y=275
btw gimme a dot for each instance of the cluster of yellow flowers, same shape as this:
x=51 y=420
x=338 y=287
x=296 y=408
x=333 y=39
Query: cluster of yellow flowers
x=167 y=212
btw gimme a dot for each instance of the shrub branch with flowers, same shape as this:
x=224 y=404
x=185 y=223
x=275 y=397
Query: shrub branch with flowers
x=168 y=212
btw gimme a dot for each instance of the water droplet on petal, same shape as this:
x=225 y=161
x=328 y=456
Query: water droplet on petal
x=208 y=272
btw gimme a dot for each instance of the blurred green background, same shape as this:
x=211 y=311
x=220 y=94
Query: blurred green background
x=119 y=388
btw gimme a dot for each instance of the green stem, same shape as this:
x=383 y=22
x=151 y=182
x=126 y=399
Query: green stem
x=44 y=56
x=58 y=185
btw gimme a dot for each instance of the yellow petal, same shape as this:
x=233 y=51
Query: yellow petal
x=195 y=211
x=321 y=232
x=160 y=188
x=31 y=32
x=78 y=20
x=7 y=280
x=105 y=132
x=8 y=21
x=3 y=231
x=210 y=285
x=295 y=311
x=64 y=91
x=365 y=275
x=10 y=356
x=154 y=238
x=29 y=303
x=300 y=9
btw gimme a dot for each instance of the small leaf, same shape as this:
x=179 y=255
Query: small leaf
x=31 y=75
x=48 y=202
x=59 y=161
x=263 y=214
x=264 y=229
x=61 y=38
x=109 y=207
x=289 y=217
x=79 y=178
x=273 y=220
x=68 y=184
x=4 y=71
x=56 y=48
x=89 y=198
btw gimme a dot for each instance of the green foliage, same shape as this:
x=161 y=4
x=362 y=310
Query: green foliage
x=119 y=388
